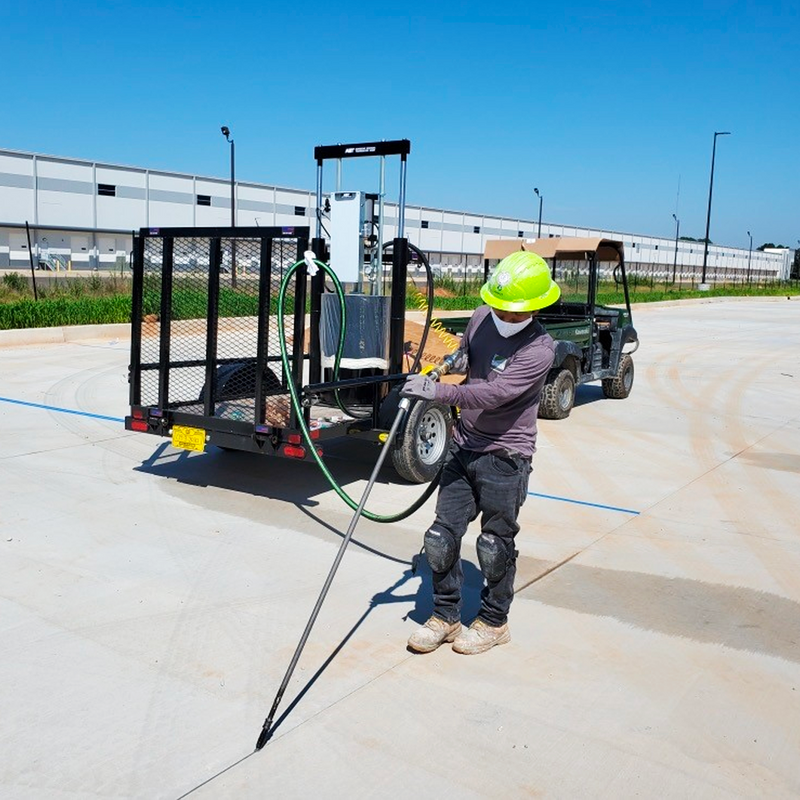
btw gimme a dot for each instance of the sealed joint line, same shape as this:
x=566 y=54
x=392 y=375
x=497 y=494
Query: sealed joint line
x=584 y=503
x=61 y=410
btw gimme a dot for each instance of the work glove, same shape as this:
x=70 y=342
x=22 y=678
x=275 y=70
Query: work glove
x=460 y=362
x=420 y=387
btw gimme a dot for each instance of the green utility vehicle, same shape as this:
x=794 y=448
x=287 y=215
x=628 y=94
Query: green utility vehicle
x=593 y=342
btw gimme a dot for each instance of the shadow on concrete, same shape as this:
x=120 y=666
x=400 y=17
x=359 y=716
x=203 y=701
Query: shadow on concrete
x=268 y=476
x=423 y=607
x=295 y=483
x=733 y=616
x=588 y=393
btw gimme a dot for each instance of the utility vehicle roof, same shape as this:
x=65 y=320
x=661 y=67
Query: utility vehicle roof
x=563 y=247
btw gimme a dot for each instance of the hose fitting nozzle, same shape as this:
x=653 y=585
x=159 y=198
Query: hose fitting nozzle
x=448 y=362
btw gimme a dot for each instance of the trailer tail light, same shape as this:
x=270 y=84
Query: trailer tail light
x=139 y=425
x=315 y=434
x=294 y=452
x=294 y=438
x=137 y=413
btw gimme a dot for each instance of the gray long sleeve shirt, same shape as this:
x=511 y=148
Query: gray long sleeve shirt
x=499 y=401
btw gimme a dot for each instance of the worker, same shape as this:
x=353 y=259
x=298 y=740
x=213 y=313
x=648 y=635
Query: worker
x=506 y=355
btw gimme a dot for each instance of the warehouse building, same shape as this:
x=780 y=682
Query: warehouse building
x=82 y=214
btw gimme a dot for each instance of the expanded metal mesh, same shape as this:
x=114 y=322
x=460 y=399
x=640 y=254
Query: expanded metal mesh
x=151 y=319
x=237 y=320
x=191 y=259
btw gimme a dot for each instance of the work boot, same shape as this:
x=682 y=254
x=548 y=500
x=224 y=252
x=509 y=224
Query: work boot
x=433 y=633
x=480 y=637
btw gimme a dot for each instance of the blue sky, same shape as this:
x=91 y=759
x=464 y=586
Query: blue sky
x=606 y=107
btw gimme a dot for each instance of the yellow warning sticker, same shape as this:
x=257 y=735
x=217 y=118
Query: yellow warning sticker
x=189 y=438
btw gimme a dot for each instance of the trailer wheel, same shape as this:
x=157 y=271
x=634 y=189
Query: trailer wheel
x=558 y=395
x=619 y=387
x=423 y=444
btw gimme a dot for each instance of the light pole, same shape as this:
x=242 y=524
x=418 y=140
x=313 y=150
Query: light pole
x=539 y=233
x=677 y=233
x=708 y=216
x=749 y=255
x=227 y=134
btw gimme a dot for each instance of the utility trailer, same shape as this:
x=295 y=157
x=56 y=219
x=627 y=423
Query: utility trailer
x=593 y=342
x=206 y=366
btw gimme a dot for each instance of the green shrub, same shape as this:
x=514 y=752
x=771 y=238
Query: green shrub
x=14 y=282
x=59 y=311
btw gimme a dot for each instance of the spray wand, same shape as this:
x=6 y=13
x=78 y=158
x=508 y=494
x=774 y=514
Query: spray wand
x=405 y=403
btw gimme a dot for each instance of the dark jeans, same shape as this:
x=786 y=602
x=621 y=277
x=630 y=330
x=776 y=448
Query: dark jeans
x=494 y=485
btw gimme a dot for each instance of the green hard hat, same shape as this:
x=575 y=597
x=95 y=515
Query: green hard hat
x=520 y=282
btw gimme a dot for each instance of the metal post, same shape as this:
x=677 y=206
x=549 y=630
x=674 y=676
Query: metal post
x=317 y=290
x=264 y=305
x=541 y=200
x=299 y=329
x=398 y=305
x=710 y=192
x=233 y=185
x=677 y=233
x=137 y=301
x=227 y=134
x=401 y=223
x=749 y=256
x=233 y=217
x=212 y=329
x=30 y=257
x=377 y=266
x=319 y=199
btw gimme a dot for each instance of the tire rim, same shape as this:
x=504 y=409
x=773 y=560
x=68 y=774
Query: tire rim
x=627 y=379
x=431 y=436
x=565 y=398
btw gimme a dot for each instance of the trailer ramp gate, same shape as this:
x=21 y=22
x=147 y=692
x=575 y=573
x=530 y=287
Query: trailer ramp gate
x=204 y=327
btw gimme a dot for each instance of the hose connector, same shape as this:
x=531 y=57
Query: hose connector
x=448 y=362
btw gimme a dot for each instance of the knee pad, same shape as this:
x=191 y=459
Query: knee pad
x=441 y=549
x=494 y=556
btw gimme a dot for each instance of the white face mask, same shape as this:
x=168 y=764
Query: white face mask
x=506 y=329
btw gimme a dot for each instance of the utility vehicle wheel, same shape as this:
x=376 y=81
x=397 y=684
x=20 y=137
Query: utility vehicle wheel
x=558 y=395
x=619 y=387
x=424 y=441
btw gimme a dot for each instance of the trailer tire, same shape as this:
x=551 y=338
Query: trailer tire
x=619 y=387
x=558 y=395
x=423 y=443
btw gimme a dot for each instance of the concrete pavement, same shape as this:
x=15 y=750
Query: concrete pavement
x=150 y=599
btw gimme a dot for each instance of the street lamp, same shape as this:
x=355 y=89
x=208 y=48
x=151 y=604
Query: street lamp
x=227 y=134
x=710 y=191
x=536 y=192
x=749 y=255
x=677 y=232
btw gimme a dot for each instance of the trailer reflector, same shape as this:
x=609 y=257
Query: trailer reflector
x=294 y=438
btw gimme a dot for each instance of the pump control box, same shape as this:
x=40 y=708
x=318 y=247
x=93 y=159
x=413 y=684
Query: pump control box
x=347 y=241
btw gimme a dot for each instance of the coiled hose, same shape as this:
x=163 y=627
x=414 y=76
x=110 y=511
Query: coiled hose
x=299 y=408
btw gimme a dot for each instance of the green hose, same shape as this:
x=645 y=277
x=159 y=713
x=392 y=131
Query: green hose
x=299 y=408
